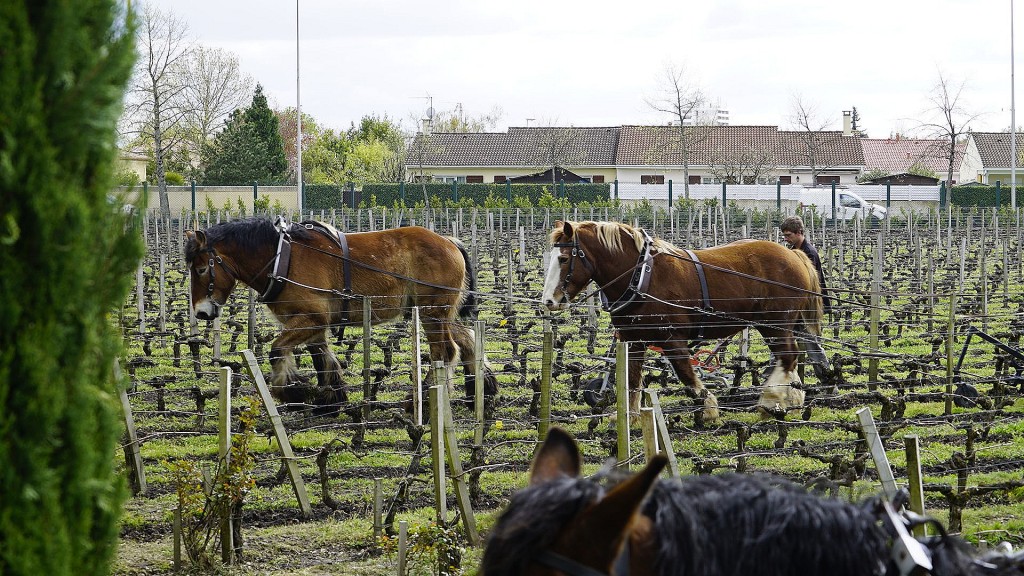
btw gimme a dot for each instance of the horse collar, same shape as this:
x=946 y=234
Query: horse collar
x=282 y=261
x=638 y=283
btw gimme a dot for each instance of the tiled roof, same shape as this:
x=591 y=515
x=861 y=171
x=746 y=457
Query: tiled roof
x=658 y=145
x=832 y=148
x=897 y=155
x=519 y=147
x=994 y=148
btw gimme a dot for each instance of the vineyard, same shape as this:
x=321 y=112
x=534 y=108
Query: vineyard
x=925 y=329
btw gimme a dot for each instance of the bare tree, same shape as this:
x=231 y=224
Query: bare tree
x=811 y=141
x=153 y=107
x=213 y=86
x=554 y=147
x=749 y=165
x=951 y=119
x=458 y=121
x=683 y=101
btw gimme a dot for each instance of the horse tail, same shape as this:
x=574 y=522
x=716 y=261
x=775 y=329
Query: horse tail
x=468 y=307
x=813 y=313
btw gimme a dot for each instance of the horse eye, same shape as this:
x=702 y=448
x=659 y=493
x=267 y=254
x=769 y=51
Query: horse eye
x=201 y=271
x=562 y=258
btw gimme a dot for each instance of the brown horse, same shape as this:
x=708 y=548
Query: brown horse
x=709 y=525
x=661 y=295
x=313 y=277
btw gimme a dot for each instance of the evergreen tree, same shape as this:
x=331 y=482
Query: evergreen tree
x=249 y=148
x=66 y=262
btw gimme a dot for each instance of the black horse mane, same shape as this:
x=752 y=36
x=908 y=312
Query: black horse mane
x=531 y=522
x=732 y=524
x=757 y=524
x=246 y=234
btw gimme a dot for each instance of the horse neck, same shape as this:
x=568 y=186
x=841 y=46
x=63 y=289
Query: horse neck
x=252 y=267
x=612 y=269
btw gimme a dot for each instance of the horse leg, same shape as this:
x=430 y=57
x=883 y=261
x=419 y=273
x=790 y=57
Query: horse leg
x=442 y=347
x=678 y=354
x=465 y=339
x=286 y=382
x=328 y=376
x=816 y=358
x=778 y=394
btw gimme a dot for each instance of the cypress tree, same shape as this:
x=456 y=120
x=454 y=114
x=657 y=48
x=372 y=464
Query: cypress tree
x=265 y=125
x=66 y=262
x=249 y=148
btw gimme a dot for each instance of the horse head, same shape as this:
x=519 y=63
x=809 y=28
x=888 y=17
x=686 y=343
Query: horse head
x=570 y=268
x=212 y=279
x=565 y=523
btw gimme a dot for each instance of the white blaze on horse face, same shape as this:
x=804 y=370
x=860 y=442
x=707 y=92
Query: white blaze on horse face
x=553 y=297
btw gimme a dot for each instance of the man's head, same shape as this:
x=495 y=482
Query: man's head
x=793 y=230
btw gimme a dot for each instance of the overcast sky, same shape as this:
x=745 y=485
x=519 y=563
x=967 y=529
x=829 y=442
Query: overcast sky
x=597 y=63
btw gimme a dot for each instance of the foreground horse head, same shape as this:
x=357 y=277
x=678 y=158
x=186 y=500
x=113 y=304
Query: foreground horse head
x=313 y=277
x=707 y=525
x=661 y=295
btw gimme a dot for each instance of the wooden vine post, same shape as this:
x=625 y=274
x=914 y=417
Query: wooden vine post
x=622 y=402
x=132 y=452
x=280 y=434
x=547 y=358
x=227 y=539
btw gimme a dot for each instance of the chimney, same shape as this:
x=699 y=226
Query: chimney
x=426 y=125
x=847 y=123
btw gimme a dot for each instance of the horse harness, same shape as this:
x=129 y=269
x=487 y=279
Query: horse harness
x=638 y=283
x=572 y=567
x=707 y=311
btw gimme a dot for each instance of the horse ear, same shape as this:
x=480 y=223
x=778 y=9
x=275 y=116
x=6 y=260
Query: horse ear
x=557 y=457
x=567 y=230
x=614 y=514
x=200 y=238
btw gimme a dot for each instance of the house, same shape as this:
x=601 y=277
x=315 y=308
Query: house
x=987 y=156
x=484 y=157
x=133 y=161
x=897 y=156
x=641 y=154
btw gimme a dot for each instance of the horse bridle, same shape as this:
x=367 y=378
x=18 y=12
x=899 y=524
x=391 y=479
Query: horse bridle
x=576 y=252
x=572 y=567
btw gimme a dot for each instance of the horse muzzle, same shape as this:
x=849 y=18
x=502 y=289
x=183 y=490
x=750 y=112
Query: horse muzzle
x=555 y=305
x=207 y=310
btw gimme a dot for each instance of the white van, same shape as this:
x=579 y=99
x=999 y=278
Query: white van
x=848 y=204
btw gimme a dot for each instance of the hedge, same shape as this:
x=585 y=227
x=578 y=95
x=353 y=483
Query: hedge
x=975 y=195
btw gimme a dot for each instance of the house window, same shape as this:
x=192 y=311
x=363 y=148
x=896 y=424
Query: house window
x=697 y=179
x=749 y=180
x=827 y=180
x=500 y=179
x=474 y=179
x=597 y=179
x=652 y=179
x=785 y=179
x=450 y=179
x=705 y=180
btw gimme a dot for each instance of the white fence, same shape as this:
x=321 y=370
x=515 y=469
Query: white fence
x=768 y=192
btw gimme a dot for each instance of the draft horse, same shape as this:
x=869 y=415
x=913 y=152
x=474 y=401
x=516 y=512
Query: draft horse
x=313 y=277
x=660 y=295
x=711 y=525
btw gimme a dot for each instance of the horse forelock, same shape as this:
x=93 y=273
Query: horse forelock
x=532 y=521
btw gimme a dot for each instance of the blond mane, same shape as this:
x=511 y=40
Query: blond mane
x=608 y=234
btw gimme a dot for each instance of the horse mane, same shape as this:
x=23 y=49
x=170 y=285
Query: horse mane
x=609 y=235
x=532 y=521
x=246 y=234
x=712 y=524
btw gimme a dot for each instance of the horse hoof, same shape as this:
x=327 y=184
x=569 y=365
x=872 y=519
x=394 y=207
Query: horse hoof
x=776 y=412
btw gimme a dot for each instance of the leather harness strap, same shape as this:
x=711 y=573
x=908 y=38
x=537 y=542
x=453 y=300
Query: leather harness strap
x=639 y=282
x=707 y=309
x=279 y=275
